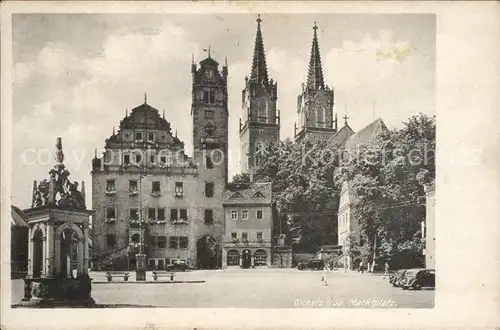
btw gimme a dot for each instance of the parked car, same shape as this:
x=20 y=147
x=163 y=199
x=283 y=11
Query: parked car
x=317 y=264
x=396 y=279
x=177 y=265
x=418 y=278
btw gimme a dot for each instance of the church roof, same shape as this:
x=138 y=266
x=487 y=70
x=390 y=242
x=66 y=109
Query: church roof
x=342 y=135
x=259 y=67
x=315 y=74
x=366 y=135
x=18 y=217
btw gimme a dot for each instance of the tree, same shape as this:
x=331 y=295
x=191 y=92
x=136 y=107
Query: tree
x=388 y=177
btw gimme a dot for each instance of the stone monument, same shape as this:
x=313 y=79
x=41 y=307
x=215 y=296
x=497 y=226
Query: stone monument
x=58 y=252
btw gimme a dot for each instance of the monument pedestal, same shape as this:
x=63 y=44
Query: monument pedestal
x=140 y=268
x=57 y=292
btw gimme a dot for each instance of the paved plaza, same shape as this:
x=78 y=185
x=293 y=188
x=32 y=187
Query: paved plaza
x=254 y=288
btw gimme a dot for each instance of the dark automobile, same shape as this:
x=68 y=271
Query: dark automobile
x=419 y=278
x=177 y=265
x=395 y=279
x=317 y=264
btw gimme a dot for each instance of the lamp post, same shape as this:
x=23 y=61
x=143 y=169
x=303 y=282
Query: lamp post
x=140 y=258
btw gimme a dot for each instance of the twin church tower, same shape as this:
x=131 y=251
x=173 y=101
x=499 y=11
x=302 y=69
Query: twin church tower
x=261 y=119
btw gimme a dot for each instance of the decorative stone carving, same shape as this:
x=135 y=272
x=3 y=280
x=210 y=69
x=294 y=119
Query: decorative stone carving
x=58 y=189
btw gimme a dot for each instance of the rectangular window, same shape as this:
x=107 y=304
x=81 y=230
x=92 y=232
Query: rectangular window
x=183 y=213
x=212 y=97
x=183 y=242
x=209 y=216
x=110 y=185
x=138 y=136
x=179 y=189
x=174 y=242
x=110 y=213
x=173 y=214
x=151 y=213
x=138 y=158
x=132 y=185
x=161 y=242
x=259 y=214
x=126 y=159
x=209 y=164
x=209 y=114
x=205 y=96
x=244 y=236
x=151 y=137
x=134 y=214
x=161 y=214
x=234 y=235
x=156 y=186
x=244 y=214
x=234 y=214
x=110 y=240
x=259 y=236
x=209 y=189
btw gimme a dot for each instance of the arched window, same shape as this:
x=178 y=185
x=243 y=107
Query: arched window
x=260 y=258
x=233 y=258
x=262 y=111
x=320 y=117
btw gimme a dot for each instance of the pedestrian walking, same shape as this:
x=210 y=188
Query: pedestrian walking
x=386 y=270
x=361 y=268
x=324 y=278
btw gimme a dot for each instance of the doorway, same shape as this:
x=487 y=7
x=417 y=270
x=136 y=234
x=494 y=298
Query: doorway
x=207 y=253
x=246 y=259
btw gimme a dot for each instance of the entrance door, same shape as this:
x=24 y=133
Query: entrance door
x=207 y=253
x=246 y=259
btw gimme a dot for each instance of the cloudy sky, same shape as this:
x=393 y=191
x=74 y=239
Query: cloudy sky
x=75 y=74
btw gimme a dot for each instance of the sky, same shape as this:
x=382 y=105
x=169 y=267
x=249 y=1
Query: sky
x=75 y=74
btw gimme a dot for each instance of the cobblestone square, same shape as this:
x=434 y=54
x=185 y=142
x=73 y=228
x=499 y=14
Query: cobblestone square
x=256 y=288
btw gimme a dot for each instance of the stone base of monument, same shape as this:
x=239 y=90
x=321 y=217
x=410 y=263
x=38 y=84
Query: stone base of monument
x=57 y=292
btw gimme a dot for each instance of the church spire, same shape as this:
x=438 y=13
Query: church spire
x=259 y=68
x=315 y=73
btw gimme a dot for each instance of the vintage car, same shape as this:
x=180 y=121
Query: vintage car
x=396 y=279
x=419 y=278
x=317 y=264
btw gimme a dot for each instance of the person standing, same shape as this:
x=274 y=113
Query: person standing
x=324 y=279
x=386 y=269
x=361 y=266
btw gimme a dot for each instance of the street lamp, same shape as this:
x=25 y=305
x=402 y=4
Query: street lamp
x=140 y=258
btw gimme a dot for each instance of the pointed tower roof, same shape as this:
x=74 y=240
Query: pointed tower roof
x=315 y=74
x=259 y=67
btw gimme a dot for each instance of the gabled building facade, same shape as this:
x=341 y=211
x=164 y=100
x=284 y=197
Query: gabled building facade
x=315 y=103
x=261 y=120
x=248 y=229
x=149 y=195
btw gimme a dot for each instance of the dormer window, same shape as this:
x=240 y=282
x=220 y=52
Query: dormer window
x=138 y=136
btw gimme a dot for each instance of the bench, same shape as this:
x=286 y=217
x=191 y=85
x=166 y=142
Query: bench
x=163 y=274
x=110 y=275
